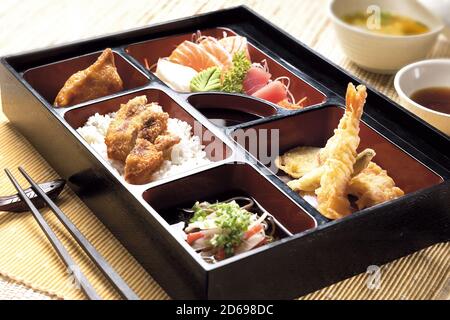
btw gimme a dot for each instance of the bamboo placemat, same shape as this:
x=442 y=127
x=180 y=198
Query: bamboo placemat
x=29 y=267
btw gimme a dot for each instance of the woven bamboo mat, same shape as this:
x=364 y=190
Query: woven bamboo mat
x=29 y=267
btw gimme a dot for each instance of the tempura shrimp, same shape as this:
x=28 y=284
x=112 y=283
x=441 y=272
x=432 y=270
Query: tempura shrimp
x=337 y=159
x=340 y=154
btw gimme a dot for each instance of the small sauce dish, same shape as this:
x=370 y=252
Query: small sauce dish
x=423 y=75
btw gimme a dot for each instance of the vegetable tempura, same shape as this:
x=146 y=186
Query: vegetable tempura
x=335 y=171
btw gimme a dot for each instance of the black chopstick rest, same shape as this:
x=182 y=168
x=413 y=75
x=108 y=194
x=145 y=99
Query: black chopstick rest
x=14 y=204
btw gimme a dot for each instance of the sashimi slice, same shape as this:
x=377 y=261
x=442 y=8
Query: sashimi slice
x=274 y=92
x=213 y=47
x=235 y=44
x=176 y=76
x=193 y=55
x=255 y=79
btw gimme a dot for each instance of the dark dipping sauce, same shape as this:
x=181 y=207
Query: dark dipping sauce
x=227 y=117
x=436 y=98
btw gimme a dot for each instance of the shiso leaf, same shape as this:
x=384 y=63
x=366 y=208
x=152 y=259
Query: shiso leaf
x=234 y=78
x=206 y=80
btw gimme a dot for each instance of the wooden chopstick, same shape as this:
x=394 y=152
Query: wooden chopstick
x=108 y=271
x=57 y=245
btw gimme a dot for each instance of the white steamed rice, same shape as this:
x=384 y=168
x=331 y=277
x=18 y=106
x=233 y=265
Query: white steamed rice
x=186 y=155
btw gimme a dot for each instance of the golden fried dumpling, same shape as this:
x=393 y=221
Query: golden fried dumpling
x=98 y=80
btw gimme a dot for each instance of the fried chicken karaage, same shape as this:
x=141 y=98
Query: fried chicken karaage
x=138 y=137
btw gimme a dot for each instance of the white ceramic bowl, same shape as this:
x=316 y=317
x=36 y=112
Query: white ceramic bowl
x=440 y=8
x=378 y=52
x=421 y=75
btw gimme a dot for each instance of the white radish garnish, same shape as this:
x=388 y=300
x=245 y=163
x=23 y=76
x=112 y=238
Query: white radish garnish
x=176 y=76
x=260 y=220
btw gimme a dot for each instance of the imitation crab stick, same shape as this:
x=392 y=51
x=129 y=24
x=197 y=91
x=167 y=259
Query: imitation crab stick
x=194 y=236
x=252 y=231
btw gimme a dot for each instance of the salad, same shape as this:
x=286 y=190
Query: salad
x=224 y=229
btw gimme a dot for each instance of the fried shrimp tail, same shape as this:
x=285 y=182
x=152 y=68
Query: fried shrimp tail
x=339 y=157
x=348 y=128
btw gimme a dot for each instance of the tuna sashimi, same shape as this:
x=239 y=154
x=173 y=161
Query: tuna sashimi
x=255 y=79
x=274 y=92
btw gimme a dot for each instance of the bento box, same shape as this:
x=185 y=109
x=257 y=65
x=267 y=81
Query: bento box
x=309 y=251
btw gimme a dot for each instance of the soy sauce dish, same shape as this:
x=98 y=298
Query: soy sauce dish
x=424 y=89
x=383 y=36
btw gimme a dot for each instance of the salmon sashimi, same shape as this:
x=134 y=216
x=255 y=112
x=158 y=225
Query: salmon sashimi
x=213 y=47
x=255 y=79
x=235 y=44
x=274 y=92
x=195 y=56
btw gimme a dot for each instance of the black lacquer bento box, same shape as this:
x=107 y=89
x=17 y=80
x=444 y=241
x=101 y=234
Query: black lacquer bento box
x=315 y=252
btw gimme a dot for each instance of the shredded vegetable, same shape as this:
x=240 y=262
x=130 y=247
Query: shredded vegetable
x=223 y=229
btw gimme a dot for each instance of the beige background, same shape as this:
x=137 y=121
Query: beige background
x=25 y=254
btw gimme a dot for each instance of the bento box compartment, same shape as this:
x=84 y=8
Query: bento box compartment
x=48 y=80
